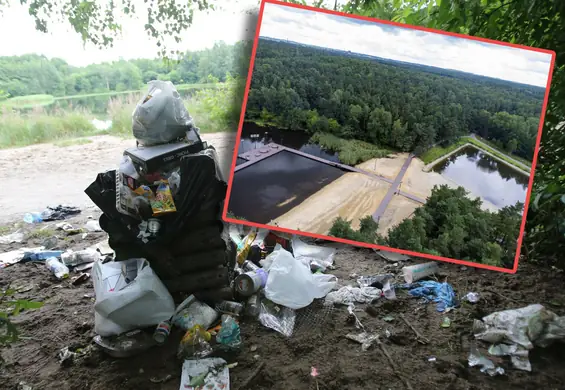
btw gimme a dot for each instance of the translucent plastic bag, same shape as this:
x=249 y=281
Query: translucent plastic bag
x=128 y=296
x=292 y=284
x=161 y=116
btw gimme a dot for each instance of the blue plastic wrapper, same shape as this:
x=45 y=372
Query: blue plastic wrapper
x=440 y=293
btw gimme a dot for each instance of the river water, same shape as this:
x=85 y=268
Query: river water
x=485 y=176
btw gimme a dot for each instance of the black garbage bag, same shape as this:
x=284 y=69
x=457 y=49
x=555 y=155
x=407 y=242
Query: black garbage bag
x=58 y=213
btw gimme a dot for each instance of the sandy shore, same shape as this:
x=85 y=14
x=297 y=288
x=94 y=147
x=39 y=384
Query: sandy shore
x=352 y=196
x=387 y=167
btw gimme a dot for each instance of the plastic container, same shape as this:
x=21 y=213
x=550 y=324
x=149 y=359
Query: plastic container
x=72 y=259
x=162 y=332
x=230 y=307
x=41 y=255
x=33 y=218
x=249 y=283
x=58 y=269
x=192 y=312
x=419 y=271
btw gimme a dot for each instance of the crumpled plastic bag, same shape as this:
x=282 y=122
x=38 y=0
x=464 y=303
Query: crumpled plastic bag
x=515 y=332
x=348 y=295
x=291 y=283
x=320 y=256
x=160 y=116
x=440 y=293
x=280 y=319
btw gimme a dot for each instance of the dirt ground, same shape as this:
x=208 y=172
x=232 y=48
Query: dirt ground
x=48 y=175
x=352 y=196
x=66 y=320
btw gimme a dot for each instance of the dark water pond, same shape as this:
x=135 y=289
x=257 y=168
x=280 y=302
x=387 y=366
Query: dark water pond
x=271 y=187
x=254 y=137
x=485 y=177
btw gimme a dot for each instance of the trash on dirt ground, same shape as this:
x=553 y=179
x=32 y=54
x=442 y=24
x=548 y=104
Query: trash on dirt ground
x=382 y=282
x=162 y=332
x=66 y=356
x=12 y=238
x=67 y=227
x=73 y=259
x=353 y=316
x=59 y=213
x=292 y=284
x=57 y=268
x=161 y=380
x=15 y=256
x=388 y=318
x=129 y=295
x=515 y=332
x=24 y=386
x=79 y=279
x=32 y=218
x=39 y=254
x=347 y=295
x=365 y=339
x=93 y=226
x=417 y=272
x=440 y=293
x=125 y=345
x=195 y=343
x=446 y=322
x=83 y=267
x=210 y=374
x=192 y=312
x=279 y=318
x=313 y=255
x=392 y=257
x=472 y=297
x=487 y=366
x=229 y=336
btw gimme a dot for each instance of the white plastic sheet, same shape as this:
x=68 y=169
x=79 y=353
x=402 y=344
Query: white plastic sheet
x=348 y=295
x=128 y=296
x=291 y=282
x=312 y=254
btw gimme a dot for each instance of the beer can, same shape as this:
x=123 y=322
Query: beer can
x=162 y=332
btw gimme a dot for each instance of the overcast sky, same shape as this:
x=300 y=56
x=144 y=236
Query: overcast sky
x=404 y=44
x=19 y=35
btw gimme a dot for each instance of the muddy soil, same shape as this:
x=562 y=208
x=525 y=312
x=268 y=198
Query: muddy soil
x=66 y=320
x=48 y=175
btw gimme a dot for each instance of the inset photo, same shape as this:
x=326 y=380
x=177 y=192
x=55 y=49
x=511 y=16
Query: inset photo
x=387 y=135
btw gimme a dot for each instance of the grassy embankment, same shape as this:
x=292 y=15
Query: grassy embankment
x=28 y=120
x=439 y=151
x=350 y=152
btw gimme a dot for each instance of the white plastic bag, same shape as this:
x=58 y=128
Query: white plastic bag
x=292 y=284
x=128 y=296
x=161 y=116
x=312 y=254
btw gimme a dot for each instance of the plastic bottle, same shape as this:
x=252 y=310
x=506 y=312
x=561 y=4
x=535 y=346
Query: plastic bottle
x=41 y=255
x=58 y=269
x=33 y=218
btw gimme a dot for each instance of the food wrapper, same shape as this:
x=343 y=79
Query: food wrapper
x=145 y=192
x=163 y=202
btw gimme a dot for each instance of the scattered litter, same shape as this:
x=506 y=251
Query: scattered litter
x=211 y=373
x=192 y=312
x=57 y=268
x=392 y=257
x=432 y=359
x=24 y=386
x=440 y=293
x=40 y=255
x=446 y=322
x=161 y=380
x=281 y=319
x=59 y=213
x=93 y=226
x=65 y=226
x=83 y=267
x=72 y=259
x=487 y=366
x=15 y=256
x=365 y=339
x=76 y=280
x=388 y=318
x=381 y=282
x=13 y=238
x=515 y=332
x=417 y=272
x=125 y=345
x=195 y=343
x=229 y=336
x=353 y=316
x=348 y=294
x=129 y=295
x=313 y=255
x=472 y=297
x=292 y=284
x=66 y=357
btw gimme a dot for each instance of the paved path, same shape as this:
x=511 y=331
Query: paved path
x=393 y=189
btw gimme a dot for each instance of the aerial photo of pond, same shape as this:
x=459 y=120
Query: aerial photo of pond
x=485 y=176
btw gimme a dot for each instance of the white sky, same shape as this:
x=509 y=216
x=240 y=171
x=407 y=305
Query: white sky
x=404 y=44
x=20 y=36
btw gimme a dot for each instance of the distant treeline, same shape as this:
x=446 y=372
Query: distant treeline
x=35 y=74
x=407 y=107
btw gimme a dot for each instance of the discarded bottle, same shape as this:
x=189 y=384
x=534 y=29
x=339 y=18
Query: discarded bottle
x=162 y=332
x=71 y=259
x=33 y=218
x=58 y=269
x=229 y=307
x=252 y=306
x=248 y=266
x=41 y=255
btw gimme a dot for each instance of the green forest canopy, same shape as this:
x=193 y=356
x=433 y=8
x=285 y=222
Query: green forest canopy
x=35 y=74
x=407 y=107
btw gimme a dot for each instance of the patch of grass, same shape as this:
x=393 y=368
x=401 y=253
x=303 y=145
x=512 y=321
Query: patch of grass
x=350 y=152
x=72 y=142
x=40 y=234
x=438 y=151
x=29 y=101
x=4 y=230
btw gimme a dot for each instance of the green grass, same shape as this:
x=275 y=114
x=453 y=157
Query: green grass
x=437 y=152
x=350 y=152
x=180 y=87
x=29 y=101
x=41 y=234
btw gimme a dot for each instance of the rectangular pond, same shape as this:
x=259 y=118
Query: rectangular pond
x=485 y=176
x=271 y=187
